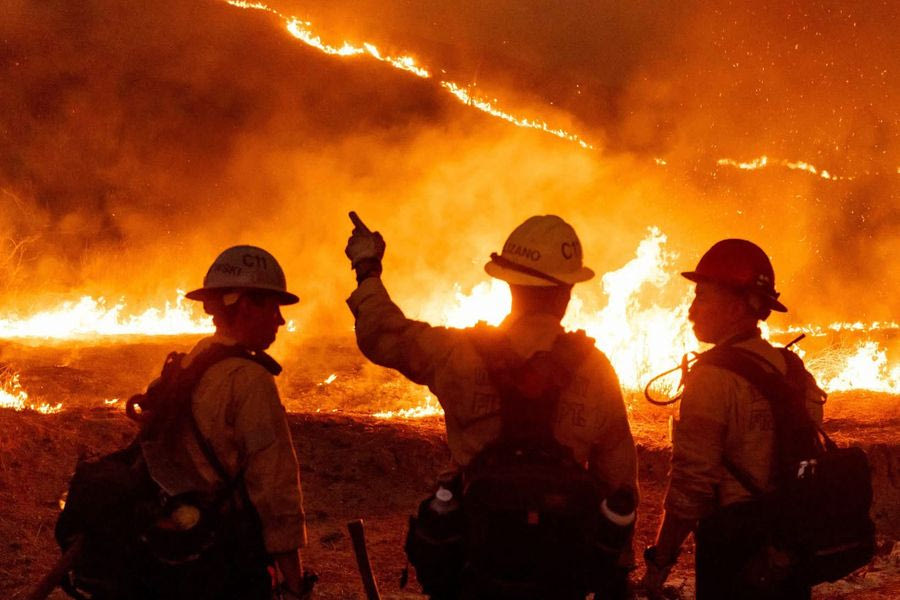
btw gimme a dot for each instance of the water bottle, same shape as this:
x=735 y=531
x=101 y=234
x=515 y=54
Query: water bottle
x=617 y=522
x=444 y=502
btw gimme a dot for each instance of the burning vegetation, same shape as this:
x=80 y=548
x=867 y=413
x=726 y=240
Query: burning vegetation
x=641 y=334
x=139 y=137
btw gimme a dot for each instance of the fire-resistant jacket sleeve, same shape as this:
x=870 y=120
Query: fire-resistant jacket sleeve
x=699 y=442
x=613 y=457
x=387 y=338
x=271 y=472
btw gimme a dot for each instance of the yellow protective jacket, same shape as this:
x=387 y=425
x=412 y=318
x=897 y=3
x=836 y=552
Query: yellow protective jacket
x=239 y=412
x=723 y=415
x=591 y=419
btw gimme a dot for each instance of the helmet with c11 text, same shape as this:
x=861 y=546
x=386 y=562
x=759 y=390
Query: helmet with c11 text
x=241 y=268
x=543 y=251
x=740 y=265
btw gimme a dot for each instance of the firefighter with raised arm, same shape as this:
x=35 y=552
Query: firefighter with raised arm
x=724 y=439
x=239 y=414
x=543 y=461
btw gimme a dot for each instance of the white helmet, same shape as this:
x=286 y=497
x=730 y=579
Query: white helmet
x=244 y=268
x=542 y=251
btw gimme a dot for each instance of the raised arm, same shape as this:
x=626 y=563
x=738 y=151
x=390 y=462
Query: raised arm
x=384 y=334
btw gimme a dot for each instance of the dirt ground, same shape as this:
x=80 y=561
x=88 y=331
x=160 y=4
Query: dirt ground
x=353 y=465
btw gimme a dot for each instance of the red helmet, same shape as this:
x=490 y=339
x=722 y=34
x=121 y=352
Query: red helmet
x=741 y=265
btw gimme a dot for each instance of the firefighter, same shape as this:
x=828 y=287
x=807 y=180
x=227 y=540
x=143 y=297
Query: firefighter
x=541 y=261
x=238 y=411
x=724 y=434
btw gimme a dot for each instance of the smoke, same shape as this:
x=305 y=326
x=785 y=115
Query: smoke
x=140 y=139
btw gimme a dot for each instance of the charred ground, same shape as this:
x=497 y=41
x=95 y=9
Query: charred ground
x=353 y=465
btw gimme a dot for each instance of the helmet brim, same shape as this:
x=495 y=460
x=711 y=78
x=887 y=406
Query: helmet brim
x=518 y=278
x=284 y=298
x=774 y=304
x=694 y=276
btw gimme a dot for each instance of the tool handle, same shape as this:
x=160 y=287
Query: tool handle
x=52 y=579
x=358 y=539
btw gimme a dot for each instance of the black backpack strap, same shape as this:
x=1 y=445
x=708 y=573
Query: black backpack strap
x=170 y=400
x=796 y=370
x=140 y=406
x=190 y=377
x=156 y=408
x=529 y=388
x=506 y=369
x=749 y=366
x=796 y=434
x=746 y=365
x=219 y=352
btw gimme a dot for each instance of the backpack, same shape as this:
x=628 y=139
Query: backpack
x=531 y=510
x=818 y=514
x=149 y=526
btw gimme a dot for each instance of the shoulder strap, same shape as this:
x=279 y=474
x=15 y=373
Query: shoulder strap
x=749 y=366
x=155 y=402
x=746 y=365
x=190 y=377
x=171 y=399
x=529 y=387
x=796 y=434
x=219 y=352
x=797 y=371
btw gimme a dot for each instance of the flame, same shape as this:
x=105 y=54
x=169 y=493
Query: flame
x=303 y=32
x=643 y=338
x=428 y=408
x=92 y=317
x=640 y=338
x=489 y=301
x=13 y=396
x=836 y=327
x=485 y=106
x=864 y=368
x=763 y=161
x=300 y=30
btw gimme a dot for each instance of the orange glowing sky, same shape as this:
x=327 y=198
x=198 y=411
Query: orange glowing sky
x=129 y=160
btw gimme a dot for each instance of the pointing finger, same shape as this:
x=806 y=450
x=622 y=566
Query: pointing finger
x=357 y=223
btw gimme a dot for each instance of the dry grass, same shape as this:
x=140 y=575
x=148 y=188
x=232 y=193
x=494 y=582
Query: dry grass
x=353 y=465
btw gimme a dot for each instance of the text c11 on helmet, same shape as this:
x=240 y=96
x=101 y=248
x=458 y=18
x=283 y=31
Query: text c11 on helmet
x=244 y=268
x=741 y=265
x=543 y=251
